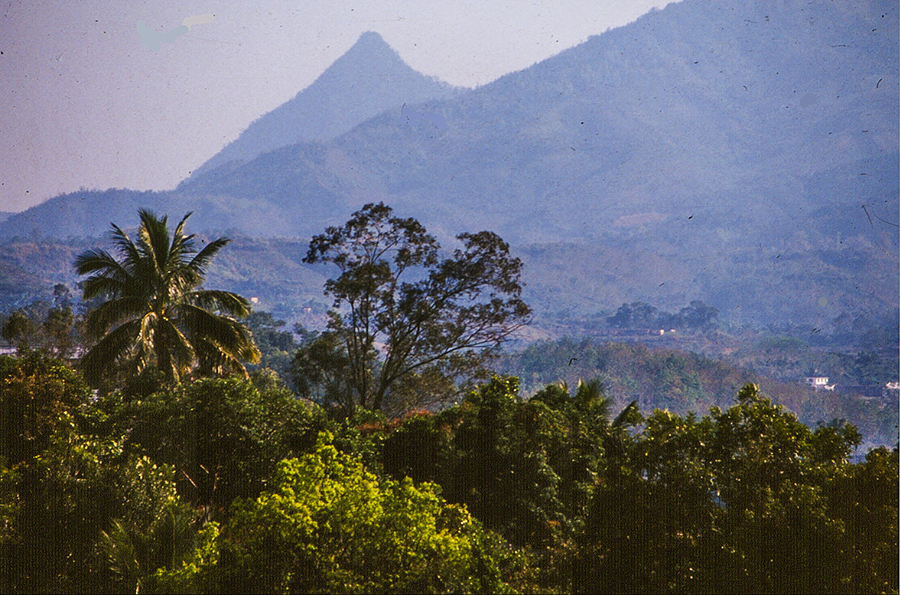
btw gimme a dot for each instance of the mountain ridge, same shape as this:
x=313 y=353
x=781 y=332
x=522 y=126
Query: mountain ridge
x=728 y=152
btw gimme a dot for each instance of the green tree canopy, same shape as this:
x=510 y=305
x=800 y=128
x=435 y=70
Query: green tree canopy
x=743 y=500
x=18 y=329
x=223 y=435
x=329 y=525
x=401 y=310
x=66 y=493
x=38 y=396
x=156 y=313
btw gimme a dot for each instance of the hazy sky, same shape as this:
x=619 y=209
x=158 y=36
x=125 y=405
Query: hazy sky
x=86 y=101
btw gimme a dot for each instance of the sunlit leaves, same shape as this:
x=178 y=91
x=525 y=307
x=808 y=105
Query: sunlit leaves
x=37 y=398
x=330 y=525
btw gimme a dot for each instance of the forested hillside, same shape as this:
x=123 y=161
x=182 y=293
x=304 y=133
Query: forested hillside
x=684 y=382
x=159 y=435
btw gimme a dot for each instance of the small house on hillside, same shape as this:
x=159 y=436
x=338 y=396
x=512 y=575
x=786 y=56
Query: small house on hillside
x=818 y=382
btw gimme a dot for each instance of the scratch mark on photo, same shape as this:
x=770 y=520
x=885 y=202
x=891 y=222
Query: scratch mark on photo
x=154 y=39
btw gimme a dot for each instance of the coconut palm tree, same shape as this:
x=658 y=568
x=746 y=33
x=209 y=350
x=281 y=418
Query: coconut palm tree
x=156 y=314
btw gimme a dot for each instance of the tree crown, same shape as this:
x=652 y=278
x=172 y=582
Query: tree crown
x=400 y=310
x=156 y=313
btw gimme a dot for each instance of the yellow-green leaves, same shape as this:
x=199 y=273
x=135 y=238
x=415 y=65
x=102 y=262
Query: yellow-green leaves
x=329 y=525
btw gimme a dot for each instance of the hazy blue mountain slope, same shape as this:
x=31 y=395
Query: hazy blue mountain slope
x=81 y=214
x=743 y=153
x=702 y=106
x=723 y=112
x=29 y=269
x=760 y=285
x=717 y=141
x=369 y=79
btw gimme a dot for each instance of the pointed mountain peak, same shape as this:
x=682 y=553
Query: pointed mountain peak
x=371 y=39
x=365 y=81
x=371 y=49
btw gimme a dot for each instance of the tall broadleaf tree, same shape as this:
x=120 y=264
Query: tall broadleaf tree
x=156 y=313
x=402 y=312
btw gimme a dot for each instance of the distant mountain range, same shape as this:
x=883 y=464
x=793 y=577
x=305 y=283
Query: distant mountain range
x=744 y=153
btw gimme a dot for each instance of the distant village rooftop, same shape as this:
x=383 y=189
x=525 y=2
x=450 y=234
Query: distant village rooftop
x=818 y=382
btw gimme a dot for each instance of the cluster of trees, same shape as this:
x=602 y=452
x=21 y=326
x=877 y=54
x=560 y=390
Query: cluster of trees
x=182 y=472
x=681 y=381
x=220 y=485
x=406 y=322
x=658 y=378
x=640 y=315
x=176 y=490
x=55 y=327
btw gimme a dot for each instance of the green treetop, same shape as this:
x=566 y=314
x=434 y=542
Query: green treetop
x=156 y=313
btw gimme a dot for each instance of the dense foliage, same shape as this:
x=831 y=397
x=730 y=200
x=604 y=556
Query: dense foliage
x=219 y=486
x=329 y=525
x=682 y=382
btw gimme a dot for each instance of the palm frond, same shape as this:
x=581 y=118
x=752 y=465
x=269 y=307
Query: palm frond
x=218 y=356
x=148 y=328
x=111 y=351
x=213 y=361
x=590 y=395
x=225 y=335
x=110 y=287
x=131 y=254
x=110 y=278
x=225 y=302
x=154 y=242
x=114 y=312
x=182 y=244
x=156 y=314
x=96 y=259
x=230 y=334
x=203 y=258
x=182 y=280
x=121 y=553
x=175 y=355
